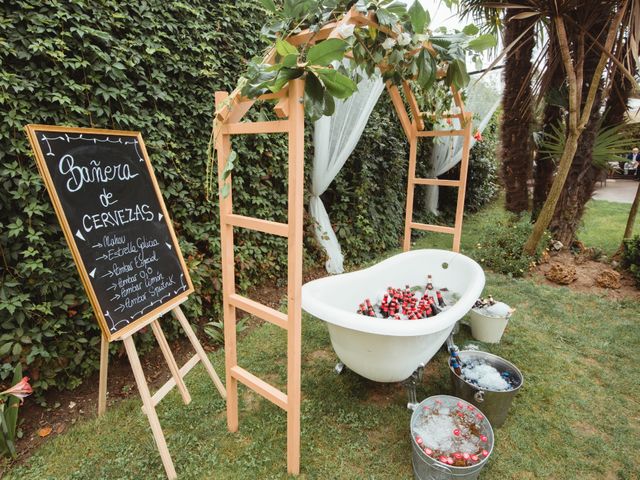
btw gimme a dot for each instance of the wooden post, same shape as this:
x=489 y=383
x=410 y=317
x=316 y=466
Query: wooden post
x=223 y=148
x=294 y=290
x=104 y=366
x=150 y=410
x=177 y=313
x=171 y=362
x=408 y=219
x=464 y=168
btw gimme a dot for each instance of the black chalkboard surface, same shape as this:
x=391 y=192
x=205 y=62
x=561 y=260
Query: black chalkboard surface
x=111 y=210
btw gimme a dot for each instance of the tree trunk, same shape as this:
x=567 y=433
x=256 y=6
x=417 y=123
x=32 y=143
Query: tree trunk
x=517 y=114
x=583 y=175
x=545 y=163
x=632 y=215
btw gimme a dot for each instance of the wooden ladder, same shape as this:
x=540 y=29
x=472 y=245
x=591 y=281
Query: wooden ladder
x=414 y=130
x=290 y=105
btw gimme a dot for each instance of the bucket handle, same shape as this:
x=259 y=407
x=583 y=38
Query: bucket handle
x=479 y=396
x=443 y=469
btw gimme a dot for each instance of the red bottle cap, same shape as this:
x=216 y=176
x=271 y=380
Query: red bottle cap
x=419 y=440
x=483 y=438
x=466 y=456
x=456 y=432
x=485 y=453
x=474 y=458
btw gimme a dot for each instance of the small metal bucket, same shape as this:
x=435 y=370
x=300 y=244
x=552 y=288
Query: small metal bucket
x=495 y=405
x=428 y=468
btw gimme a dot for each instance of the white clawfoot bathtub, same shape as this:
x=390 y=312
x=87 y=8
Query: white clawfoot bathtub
x=386 y=350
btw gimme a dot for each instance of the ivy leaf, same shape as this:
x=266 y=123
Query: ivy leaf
x=326 y=52
x=419 y=17
x=284 y=48
x=338 y=85
x=228 y=168
x=483 y=42
x=269 y=5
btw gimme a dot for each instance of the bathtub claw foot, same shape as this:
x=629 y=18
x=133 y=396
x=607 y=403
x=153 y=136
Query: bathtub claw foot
x=411 y=384
x=339 y=368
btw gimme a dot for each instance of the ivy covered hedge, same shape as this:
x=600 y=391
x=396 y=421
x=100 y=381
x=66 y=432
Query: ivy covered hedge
x=153 y=67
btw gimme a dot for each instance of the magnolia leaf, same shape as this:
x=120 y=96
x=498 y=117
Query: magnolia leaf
x=284 y=48
x=329 y=104
x=419 y=17
x=483 y=42
x=471 y=29
x=326 y=52
x=338 y=85
x=290 y=60
x=284 y=75
x=426 y=70
x=313 y=88
x=269 y=5
x=457 y=74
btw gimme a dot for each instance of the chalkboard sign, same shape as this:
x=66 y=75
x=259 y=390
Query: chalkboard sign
x=110 y=207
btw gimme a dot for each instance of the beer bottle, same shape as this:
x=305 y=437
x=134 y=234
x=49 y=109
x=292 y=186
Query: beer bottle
x=440 y=299
x=429 y=283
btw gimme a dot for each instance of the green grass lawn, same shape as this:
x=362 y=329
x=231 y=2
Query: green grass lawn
x=603 y=225
x=575 y=418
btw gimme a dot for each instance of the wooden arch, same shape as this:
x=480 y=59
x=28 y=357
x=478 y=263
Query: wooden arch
x=230 y=109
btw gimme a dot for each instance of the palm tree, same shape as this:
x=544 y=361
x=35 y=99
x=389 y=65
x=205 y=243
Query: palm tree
x=584 y=33
x=517 y=115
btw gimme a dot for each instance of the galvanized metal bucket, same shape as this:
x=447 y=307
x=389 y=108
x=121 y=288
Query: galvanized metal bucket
x=494 y=404
x=428 y=468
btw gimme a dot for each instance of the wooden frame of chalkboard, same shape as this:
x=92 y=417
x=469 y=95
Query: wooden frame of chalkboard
x=64 y=133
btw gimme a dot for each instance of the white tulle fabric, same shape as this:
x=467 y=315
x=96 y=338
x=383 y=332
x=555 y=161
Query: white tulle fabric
x=334 y=139
x=483 y=99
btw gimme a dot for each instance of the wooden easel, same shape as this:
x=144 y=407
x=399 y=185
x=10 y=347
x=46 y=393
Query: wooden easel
x=149 y=401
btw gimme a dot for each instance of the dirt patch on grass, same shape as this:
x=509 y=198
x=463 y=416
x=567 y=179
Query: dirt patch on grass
x=324 y=356
x=587 y=271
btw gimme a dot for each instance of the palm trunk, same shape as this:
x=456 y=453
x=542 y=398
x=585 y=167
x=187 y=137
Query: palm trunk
x=517 y=115
x=545 y=163
x=632 y=215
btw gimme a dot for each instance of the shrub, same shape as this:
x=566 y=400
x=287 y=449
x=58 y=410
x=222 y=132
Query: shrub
x=500 y=247
x=631 y=257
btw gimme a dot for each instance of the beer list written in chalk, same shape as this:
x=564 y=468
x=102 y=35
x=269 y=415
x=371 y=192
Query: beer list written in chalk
x=108 y=198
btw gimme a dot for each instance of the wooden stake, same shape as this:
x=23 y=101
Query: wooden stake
x=202 y=355
x=150 y=410
x=171 y=361
x=104 y=366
